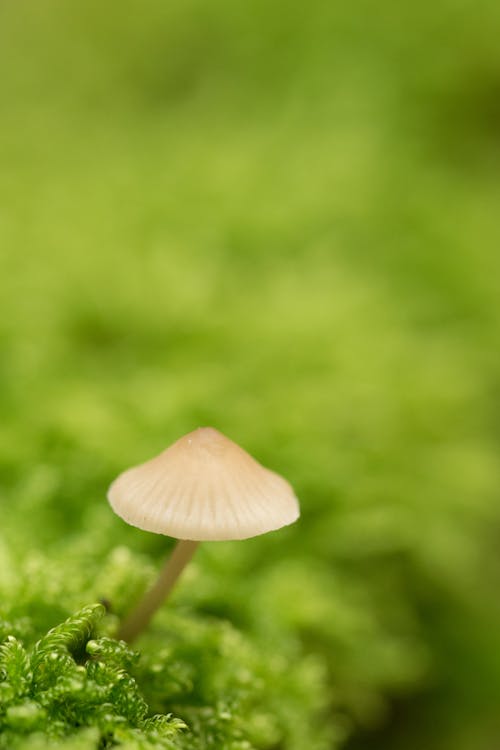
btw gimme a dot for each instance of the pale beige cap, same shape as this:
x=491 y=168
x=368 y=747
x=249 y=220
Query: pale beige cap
x=204 y=487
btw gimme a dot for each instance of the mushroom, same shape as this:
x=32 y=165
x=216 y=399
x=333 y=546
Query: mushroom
x=204 y=487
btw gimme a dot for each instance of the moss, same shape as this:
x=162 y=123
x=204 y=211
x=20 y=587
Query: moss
x=283 y=224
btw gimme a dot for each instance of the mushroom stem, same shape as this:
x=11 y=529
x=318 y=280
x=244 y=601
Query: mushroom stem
x=139 y=618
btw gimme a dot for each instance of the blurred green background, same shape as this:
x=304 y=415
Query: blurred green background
x=281 y=220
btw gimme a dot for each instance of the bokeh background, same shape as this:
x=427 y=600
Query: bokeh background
x=282 y=220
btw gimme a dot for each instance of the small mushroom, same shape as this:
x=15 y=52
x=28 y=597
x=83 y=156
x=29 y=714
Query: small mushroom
x=204 y=487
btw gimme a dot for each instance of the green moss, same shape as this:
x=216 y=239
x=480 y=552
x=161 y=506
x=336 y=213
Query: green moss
x=284 y=224
x=53 y=688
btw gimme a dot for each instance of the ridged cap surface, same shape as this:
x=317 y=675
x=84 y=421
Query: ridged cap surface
x=204 y=487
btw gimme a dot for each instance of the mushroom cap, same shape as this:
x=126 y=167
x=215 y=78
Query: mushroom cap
x=204 y=487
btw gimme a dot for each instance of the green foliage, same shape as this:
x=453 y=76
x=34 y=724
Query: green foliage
x=227 y=688
x=67 y=681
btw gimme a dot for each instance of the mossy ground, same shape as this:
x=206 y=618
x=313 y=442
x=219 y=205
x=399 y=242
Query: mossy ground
x=282 y=222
